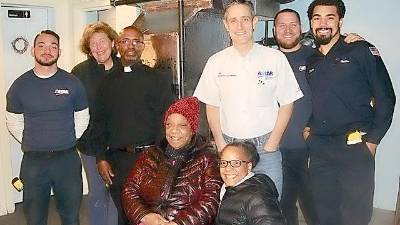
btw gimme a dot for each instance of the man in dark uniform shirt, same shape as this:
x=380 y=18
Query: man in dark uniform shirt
x=353 y=103
x=129 y=111
x=287 y=32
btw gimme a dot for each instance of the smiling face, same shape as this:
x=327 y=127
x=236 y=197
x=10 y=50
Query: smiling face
x=178 y=131
x=240 y=23
x=101 y=47
x=232 y=175
x=130 y=46
x=326 y=24
x=288 y=31
x=46 y=50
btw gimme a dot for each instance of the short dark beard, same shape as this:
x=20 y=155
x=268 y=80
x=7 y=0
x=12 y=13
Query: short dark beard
x=49 y=63
x=286 y=45
x=324 y=40
x=130 y=62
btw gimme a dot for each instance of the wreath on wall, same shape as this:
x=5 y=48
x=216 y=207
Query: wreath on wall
x=20 y=45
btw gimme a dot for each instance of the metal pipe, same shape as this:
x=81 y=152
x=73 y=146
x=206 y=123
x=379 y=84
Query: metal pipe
x=266 y=28
x=125 y=2
x=181 y=48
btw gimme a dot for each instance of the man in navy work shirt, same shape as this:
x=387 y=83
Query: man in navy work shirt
x=287 y=32
x=47 y=111
x=353 y=103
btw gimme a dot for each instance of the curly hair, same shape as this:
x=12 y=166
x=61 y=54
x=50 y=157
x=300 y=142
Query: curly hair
x=248 y=148
x=339 y=4
x=97 y=27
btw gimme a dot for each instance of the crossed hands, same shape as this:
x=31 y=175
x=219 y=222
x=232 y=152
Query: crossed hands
x=156 y=219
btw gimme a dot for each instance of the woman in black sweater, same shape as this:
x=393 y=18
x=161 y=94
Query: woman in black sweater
x=97 y=43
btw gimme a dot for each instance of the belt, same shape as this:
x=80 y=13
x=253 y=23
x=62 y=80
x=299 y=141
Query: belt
x=135 y=148
x=48 y=154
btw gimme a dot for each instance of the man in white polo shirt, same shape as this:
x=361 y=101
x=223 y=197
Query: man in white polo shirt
x=249 y=91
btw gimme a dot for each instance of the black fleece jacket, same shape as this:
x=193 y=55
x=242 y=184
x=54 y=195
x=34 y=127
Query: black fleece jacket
x=253 y=202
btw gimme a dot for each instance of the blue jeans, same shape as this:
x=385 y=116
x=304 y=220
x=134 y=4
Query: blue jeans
x=101 y=208
x=270 y=162
x=60 y=171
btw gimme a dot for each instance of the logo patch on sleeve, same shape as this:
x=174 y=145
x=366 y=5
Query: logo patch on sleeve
x=374 y=51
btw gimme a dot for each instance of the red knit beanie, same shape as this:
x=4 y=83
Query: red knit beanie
x=189 y=108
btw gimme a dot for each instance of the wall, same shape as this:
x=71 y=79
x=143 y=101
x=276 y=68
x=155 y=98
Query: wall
x=62 y=26
x=377 y=23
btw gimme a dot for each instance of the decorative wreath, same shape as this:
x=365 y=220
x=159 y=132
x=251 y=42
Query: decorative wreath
x=20 y=45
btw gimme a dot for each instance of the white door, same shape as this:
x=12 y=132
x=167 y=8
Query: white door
x=20 y=25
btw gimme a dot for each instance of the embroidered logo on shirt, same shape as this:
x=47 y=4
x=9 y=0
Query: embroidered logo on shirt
x=311 y=70
x=58 y=92
x=374 y=51
x=302 y=68
x=263 y=76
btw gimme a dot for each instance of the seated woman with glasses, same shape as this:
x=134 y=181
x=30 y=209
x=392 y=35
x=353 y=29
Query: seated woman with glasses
x=246 y=198
x=178 y=182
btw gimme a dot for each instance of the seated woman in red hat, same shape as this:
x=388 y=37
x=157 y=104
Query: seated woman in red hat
x=178 y=182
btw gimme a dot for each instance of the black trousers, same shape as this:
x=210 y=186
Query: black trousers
x=58 y=170
x=296 y=187
x=121 y=164
x=342 y=179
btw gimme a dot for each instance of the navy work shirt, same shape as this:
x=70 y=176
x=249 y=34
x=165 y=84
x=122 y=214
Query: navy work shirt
x=48 y=106
x=351 y=90
x=293 y=138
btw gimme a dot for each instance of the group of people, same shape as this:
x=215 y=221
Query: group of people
x=291 y=125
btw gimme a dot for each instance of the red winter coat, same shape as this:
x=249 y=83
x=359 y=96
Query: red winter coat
x=186 y=189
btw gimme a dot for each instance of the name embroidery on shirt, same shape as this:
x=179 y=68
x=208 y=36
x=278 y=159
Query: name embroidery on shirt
x=343 y=60
x=226 y=75
x=59 y=92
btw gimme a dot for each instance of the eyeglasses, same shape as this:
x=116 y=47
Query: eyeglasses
x=127 y=41
x=233 y=163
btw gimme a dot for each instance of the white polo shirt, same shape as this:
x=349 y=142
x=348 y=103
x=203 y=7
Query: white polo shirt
x=247 y=89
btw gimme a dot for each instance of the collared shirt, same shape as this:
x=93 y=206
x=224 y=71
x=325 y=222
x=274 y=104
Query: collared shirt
x=130 y=108
x=223 y=188
x=351 y=90
x=247 y=89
